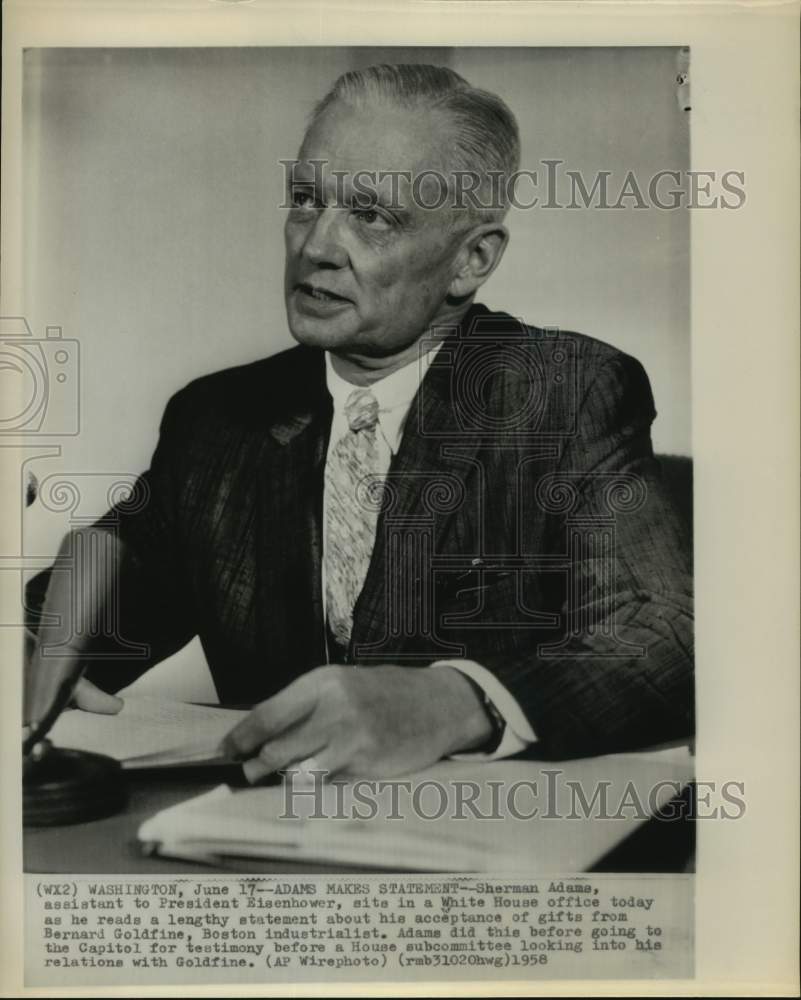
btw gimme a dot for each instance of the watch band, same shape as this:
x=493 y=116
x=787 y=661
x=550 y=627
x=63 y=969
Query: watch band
x=498 y=724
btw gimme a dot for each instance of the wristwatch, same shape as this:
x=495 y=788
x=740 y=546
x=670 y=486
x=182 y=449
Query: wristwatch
x=498 y=724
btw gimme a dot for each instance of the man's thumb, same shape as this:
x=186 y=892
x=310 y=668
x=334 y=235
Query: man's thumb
x=91 y=699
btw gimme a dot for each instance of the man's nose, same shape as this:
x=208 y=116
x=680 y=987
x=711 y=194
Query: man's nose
x=323 y=246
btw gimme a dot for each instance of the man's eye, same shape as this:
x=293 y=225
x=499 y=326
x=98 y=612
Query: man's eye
x=302 y=199
x=372 y=218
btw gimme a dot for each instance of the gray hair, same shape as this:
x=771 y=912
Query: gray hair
x=486 y=139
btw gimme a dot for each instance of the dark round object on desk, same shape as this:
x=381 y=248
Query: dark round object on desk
x=70 y=786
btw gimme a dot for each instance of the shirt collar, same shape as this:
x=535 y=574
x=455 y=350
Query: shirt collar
x=394 y=394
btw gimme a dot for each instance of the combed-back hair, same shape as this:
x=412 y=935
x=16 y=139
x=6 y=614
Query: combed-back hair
x=485 y=139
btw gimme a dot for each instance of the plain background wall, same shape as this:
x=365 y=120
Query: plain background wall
x=153 y=237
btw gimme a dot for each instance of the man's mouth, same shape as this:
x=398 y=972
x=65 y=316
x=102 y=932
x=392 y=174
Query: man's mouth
x=320 y=294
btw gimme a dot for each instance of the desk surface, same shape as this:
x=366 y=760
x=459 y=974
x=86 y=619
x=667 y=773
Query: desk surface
x=110 y=846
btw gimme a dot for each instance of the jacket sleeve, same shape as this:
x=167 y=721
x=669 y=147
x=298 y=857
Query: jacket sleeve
x=620 y=676
x=146 y=608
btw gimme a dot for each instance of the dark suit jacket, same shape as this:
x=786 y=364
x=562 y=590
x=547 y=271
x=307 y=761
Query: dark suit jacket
x=525 y=527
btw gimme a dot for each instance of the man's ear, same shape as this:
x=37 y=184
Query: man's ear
x=479 y=255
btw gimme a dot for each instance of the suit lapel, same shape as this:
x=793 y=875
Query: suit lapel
x=290 y=524
x=428 y=482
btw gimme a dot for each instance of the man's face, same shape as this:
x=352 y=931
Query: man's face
x=367 y=274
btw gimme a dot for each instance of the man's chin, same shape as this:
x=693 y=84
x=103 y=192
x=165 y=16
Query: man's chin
x=327 y=334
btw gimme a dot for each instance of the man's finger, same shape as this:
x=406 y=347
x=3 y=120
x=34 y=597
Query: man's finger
x=284 y=750
x=92 y=699
x=270 y=718
x=333 y=760
x=326 y=763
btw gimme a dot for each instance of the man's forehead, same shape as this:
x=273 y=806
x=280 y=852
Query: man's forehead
x=376 y=138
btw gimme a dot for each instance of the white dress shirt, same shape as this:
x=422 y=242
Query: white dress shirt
x=394 y=394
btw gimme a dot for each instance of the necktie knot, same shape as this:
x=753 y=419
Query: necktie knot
x=361 y=410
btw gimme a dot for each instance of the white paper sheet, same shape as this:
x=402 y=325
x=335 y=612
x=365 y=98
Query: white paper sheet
x=148 y=732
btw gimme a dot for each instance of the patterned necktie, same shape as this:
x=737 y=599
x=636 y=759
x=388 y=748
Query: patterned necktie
x=350 y=516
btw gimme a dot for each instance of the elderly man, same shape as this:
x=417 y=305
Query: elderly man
x=428 y=529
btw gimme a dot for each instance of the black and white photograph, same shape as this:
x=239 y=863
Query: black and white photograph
x=351 y=393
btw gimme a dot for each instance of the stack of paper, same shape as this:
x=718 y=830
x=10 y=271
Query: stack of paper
x=458 y=817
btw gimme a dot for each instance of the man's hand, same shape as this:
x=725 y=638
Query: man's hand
x=55 y=656
x=45 y=675
x=357 y=721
